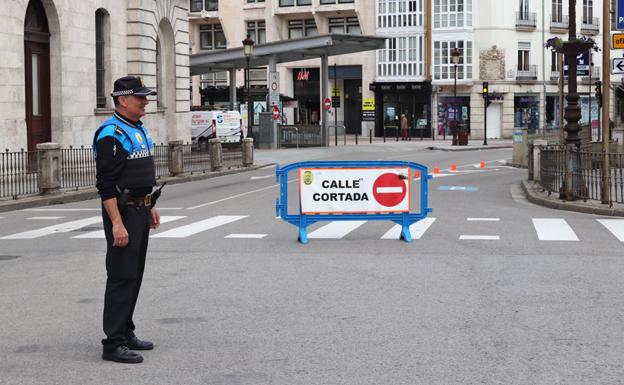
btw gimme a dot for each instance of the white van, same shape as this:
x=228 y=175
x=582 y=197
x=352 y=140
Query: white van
x=224 y=125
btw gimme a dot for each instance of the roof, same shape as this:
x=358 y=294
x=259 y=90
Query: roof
x=311 y=47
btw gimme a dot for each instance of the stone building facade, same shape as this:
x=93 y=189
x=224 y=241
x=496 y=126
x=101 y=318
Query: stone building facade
x=60 y=58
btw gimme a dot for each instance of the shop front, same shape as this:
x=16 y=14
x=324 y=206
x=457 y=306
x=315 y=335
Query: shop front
x=527 y=112
x=392 y=100
x=453 y=115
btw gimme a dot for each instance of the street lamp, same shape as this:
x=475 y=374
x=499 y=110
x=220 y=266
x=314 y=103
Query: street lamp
x=248 y=44
x=455 y=54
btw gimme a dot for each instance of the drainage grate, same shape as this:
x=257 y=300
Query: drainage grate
x=8 y=257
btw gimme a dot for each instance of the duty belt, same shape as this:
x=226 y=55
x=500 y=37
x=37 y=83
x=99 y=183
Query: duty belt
x=145 y=200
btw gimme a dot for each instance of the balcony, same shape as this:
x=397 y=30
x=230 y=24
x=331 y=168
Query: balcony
x=527 y=72
x=525 y=21
x=335 y=6
x=590 y=26
x=559 y=23
x=595 y=75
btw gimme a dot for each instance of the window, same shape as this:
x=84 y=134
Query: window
x=257 y=31
x=443 y=67
x=290 y=3
x=258 y=77
x=588 y=11
x=524 y=50
x=102 y=58
x=214 y=79
x=554 y=62
x=255 y=1
x=400 y=13
x=557 y=11
x=211 y=37
x=208 y=5
x=523 y=9
x=452 y=13
x=334 y=1
x=301 y=28
x=348 y=25
x=403 y=57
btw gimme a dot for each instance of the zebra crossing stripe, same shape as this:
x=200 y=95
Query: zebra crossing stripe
x=198 y=227
x=417 y=230
x=335 y=229
x=246 y=236
x=59 y=228
x=553 y=229
x=615 y=226
x=99 y=234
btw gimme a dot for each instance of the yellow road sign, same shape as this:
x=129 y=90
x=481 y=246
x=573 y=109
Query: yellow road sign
x=617 y=41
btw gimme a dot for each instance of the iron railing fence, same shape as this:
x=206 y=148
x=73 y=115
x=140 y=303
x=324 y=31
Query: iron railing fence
x=77 y=168
x=18 y=173
x=232 y=155
x=586 y=173
x=300 y=136
x=195 y=161
x=161 y=160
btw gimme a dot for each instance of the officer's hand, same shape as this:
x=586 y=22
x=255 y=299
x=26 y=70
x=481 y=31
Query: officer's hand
x=120 y=235
x=155 y=219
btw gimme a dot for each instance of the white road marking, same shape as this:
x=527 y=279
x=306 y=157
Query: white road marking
x=553 y=229
x=44 y=218
x=335 y=229
x=417 y=230
x=615 y=226
x=63 y=210
x=99 y=234
x=198 y=227
x=262 y=177
x=246 y=236
x=59 y=228
x=483 y=219
x=389 y=190
x=479 y=237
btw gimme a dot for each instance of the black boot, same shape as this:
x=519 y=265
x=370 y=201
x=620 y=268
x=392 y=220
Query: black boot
x=124 y=355
x=136 y=344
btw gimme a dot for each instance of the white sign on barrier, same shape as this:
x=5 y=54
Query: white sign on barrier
x=354 y=190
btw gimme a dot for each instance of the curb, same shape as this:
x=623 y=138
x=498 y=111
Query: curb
x=554 y=203
x=91 y=192
x=459 y=148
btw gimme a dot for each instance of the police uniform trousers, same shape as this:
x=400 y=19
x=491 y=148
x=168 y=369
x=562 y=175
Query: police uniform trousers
x=124 y=268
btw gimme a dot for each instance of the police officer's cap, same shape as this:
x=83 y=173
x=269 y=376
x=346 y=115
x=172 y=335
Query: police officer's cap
x=131 y=85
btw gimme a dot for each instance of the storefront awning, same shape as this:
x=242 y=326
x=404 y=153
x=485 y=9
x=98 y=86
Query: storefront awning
x=312 y=47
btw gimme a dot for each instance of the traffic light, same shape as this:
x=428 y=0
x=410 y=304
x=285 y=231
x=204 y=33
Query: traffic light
x=486 y=94
x=599 y=93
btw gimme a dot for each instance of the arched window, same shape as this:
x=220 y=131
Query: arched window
x=102 y=57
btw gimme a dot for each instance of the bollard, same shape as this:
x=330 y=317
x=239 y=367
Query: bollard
x=216 y=155
x=248 y=150
x=48 y=168
x=176 y=157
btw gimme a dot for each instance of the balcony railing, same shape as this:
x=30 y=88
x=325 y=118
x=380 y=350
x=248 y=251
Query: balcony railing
x=559 y=22
x=590 y=25
x=526 y=19
x=595 y=74
x=528 y=72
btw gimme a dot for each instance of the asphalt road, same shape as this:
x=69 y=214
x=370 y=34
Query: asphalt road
x=494 y=290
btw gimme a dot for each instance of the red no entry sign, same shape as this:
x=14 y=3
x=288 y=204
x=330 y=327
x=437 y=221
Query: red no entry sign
x=327 y=104
x=276 y=113
x=389 y=189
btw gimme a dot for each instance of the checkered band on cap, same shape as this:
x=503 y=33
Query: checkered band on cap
x=122 y=93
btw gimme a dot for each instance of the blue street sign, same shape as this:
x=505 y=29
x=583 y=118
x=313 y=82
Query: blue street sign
x=620 y=14
x=582 y=64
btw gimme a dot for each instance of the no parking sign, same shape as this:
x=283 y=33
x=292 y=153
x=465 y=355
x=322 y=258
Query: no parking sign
x=354 y=190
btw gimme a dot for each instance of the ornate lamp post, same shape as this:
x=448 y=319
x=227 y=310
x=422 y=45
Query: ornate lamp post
x=455 y=54
x=248 y=44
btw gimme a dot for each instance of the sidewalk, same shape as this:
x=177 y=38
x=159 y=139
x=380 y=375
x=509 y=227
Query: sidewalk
x=263 y=158
x=534 y=194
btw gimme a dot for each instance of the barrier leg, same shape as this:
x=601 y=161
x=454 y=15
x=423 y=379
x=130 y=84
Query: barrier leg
x=303 y=232
x=405 y=230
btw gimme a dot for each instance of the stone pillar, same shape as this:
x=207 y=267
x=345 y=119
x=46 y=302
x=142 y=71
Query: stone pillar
x=248 y=150
x=216 y=155
x=49 y=167
x=537 y=161
x=176 y=158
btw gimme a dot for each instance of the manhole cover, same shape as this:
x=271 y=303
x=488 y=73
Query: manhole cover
x=8 y=257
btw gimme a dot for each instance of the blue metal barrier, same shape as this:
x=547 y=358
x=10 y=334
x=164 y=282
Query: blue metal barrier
x=302 y=221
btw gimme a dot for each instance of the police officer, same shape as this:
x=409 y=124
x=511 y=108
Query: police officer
x=125 y=178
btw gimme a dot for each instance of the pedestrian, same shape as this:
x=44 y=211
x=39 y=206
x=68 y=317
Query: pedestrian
x=125 y=178
x=404 y=126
